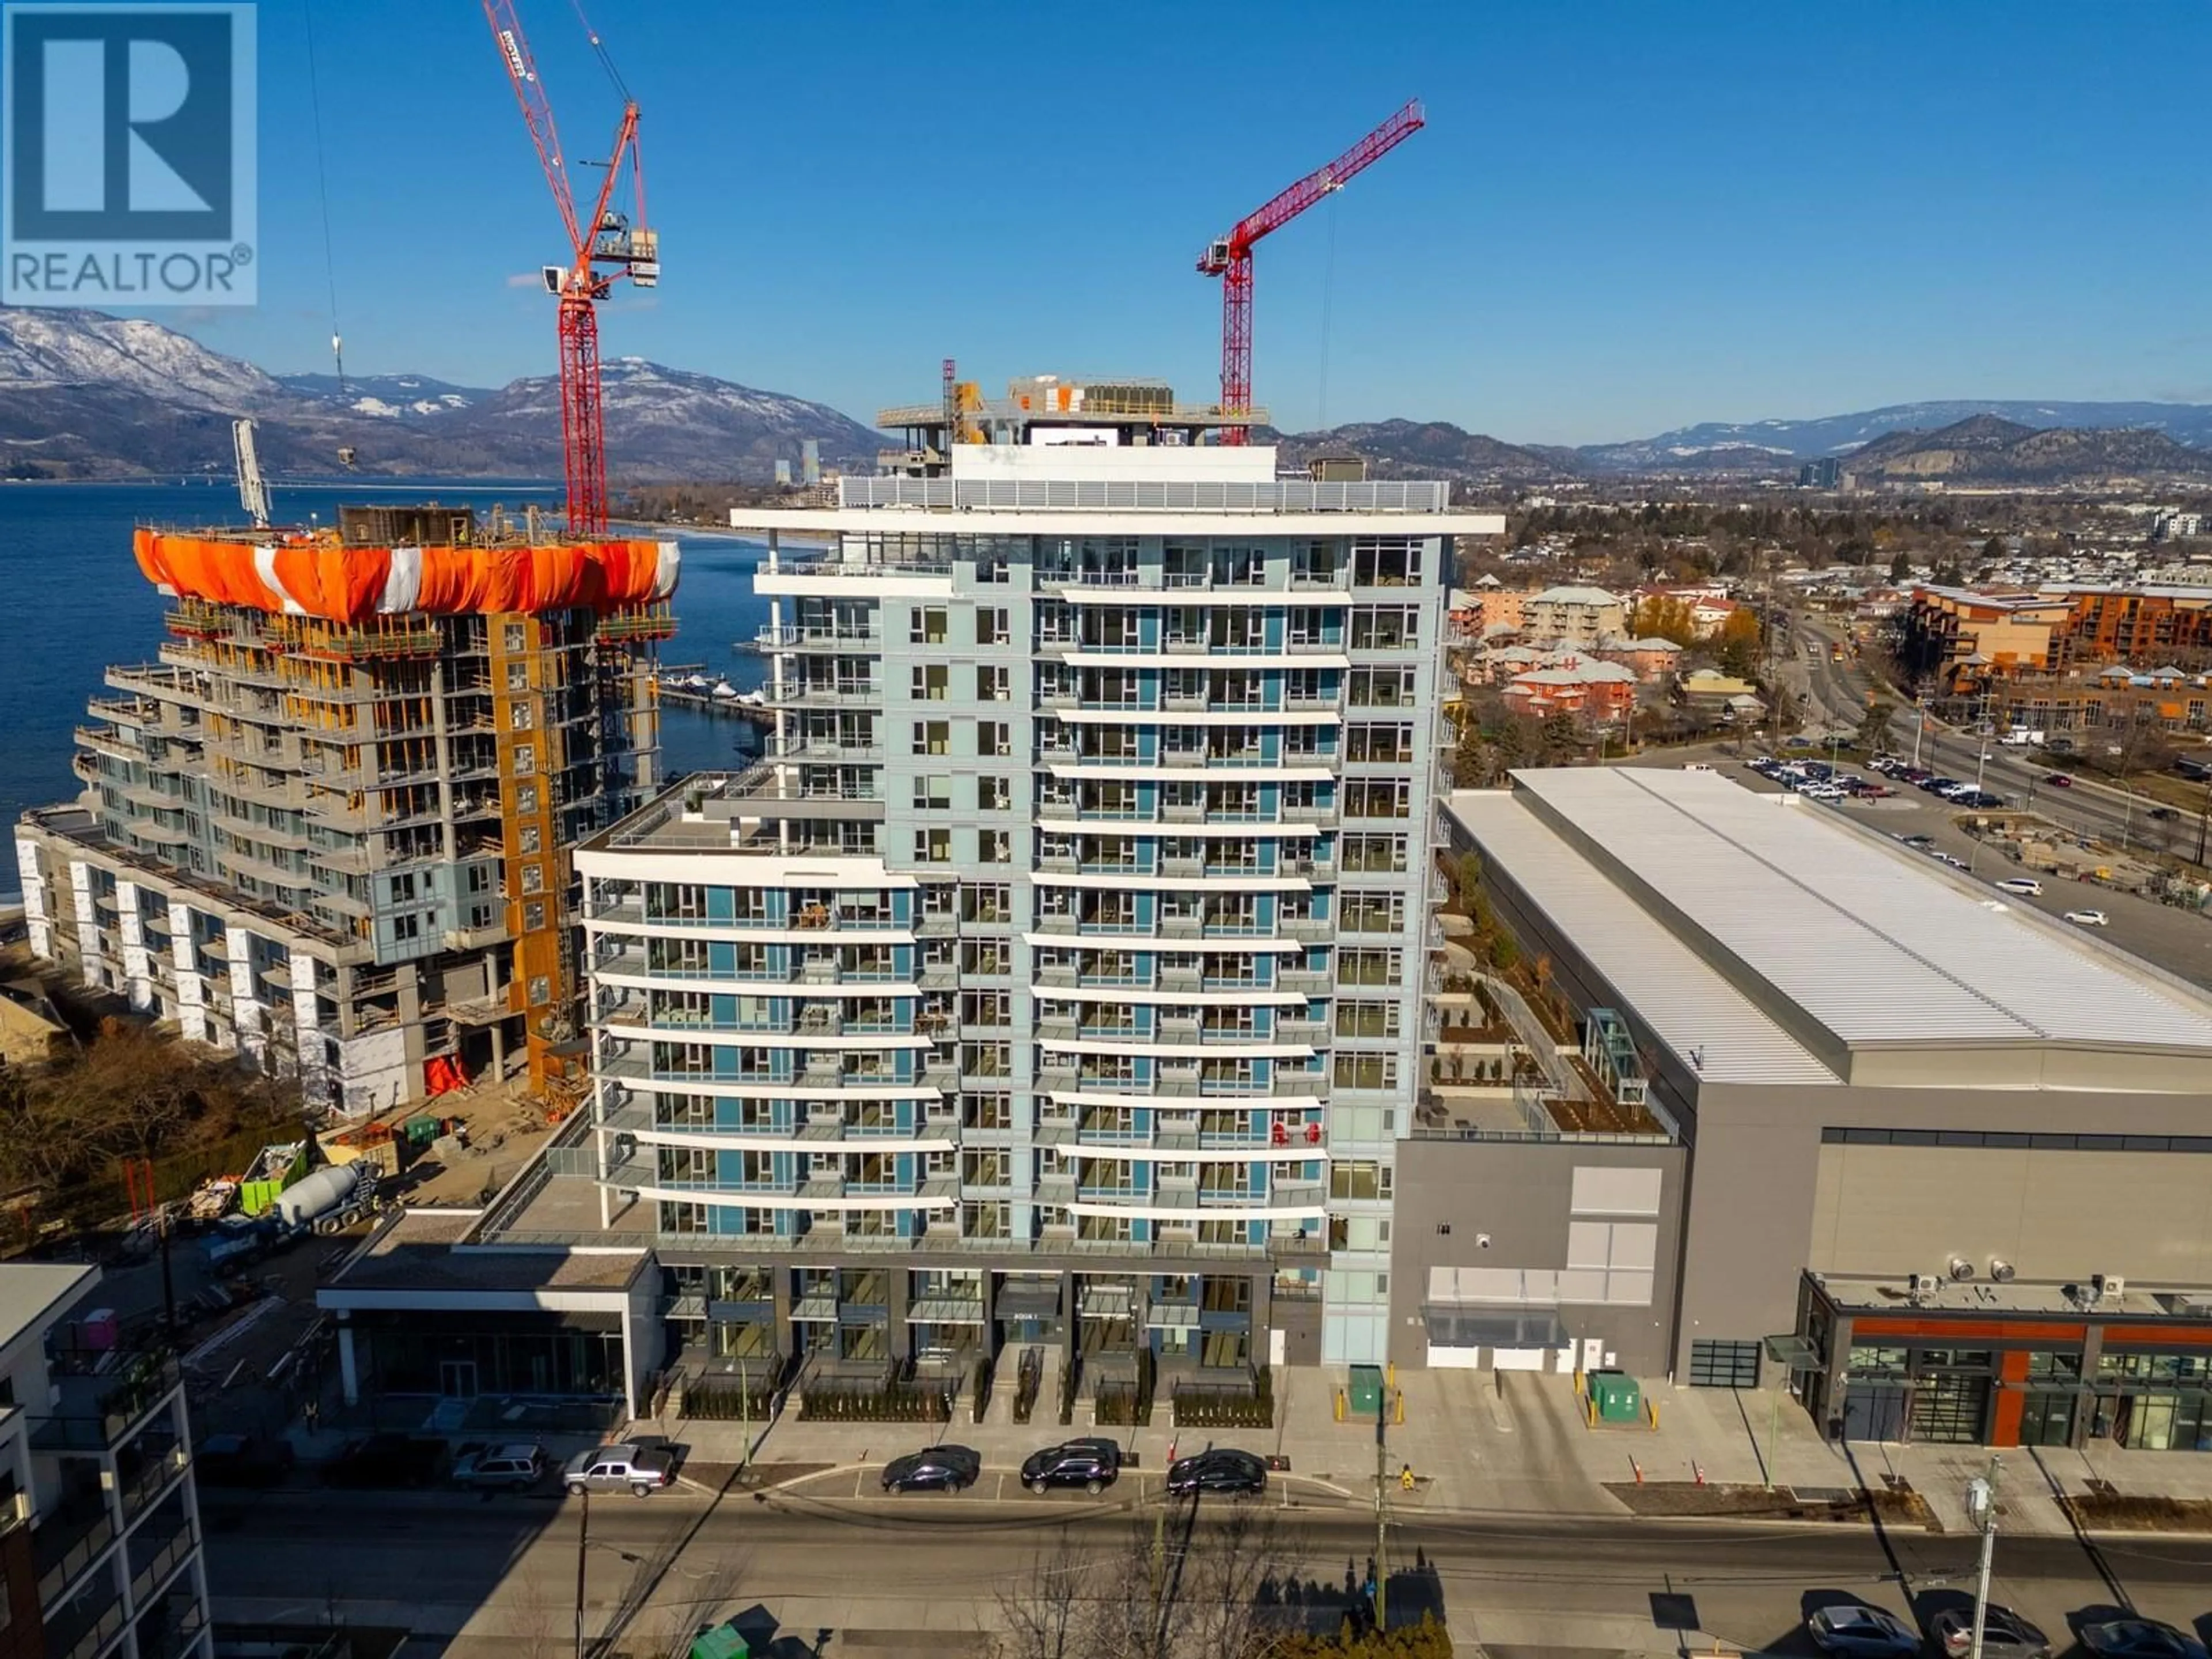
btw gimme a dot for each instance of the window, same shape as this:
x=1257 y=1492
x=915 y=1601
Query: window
x=1357 y=1018
x=1390 y=744
x=993 y=794
x=1373 y=913
x=1377 y=798
x=526 y=837
x=526 y=759
x=987 y=1110
x=1718 y=1364
x=1381 y=688
x=933 y=793
x=931 y=681
x=533 y=878
x=1369 y=967
x=541 y=990
x=1365 y=1071
x=991 y=683
x=933 y=737
x=517 y=635
x=533 y=916
x=1384 y=626
x=406 y=927
x=403 y=889
x=932 y=845
x=522 y=714
x=993 y=738
x=985 y=955
x=1358 y=1178
x=994 y=846
x=991 y=625
x=927 y=626
x=986 y=901
x=525 y=799
x=479 y=878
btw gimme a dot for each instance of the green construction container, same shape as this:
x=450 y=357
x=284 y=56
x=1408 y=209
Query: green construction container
x=719 y=1642
x=1616 y=1394
x=420 y=1130
x=276 y=1168
x=1366 y=1390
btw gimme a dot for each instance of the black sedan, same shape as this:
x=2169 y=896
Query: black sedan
x=1093 y=1465
x=1224 y=1469
x=2005 y=1634
x=941 y=1468
x=2140 y=1639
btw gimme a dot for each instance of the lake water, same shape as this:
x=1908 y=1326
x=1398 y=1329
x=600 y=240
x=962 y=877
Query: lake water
x=72 y=602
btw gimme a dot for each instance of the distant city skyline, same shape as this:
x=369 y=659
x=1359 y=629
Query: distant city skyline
x=1618 y=220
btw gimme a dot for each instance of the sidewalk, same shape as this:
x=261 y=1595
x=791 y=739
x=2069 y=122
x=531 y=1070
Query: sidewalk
x=1480 y=1440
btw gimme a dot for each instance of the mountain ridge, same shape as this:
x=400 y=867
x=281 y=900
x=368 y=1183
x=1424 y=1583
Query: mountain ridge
x=85 y=395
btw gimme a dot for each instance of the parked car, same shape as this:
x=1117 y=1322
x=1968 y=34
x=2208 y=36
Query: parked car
x=242 y=1460
x=2088 y=918
x=2027 y=886
x=940 y=1468
x=1917 y=842
x=643 y=1470
x=1093 y=1465
x=1860 y=1632
x=2140 y=1639
x=2164 y=812
x=1223 y=1469
x=2005 y=1634
x=384 y=1461
x=510 y=1468
x=2059 y=780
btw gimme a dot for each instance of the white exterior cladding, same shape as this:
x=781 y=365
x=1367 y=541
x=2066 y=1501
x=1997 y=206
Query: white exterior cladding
x=1075 y=925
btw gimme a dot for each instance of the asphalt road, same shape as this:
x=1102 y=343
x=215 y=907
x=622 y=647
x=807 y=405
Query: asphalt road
x=877 y=1573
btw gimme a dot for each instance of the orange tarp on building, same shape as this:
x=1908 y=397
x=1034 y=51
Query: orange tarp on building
x=305 y=576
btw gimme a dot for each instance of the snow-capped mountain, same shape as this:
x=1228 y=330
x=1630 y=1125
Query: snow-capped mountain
x=1730 y=446
x=70 y=348
x=86 y=395
x=385 y=396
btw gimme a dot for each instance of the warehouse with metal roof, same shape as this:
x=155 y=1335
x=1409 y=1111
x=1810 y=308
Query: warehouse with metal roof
x=1884 y=1079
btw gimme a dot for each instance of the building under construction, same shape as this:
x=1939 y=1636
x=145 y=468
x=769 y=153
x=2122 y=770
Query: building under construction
x=329 y=826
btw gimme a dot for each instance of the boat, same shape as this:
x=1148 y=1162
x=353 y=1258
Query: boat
x=723 y=690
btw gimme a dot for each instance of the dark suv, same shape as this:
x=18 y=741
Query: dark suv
x=1093 y=1465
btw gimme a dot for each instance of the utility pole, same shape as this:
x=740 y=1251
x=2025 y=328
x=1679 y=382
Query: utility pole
x=583 y=1537
x=1381 y=1513
x=1982 y=1510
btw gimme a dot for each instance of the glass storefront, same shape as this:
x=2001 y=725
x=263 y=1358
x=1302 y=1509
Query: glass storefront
x=501 y=1355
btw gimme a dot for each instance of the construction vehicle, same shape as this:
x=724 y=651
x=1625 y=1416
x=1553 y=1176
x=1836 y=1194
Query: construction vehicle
x=329 y=1200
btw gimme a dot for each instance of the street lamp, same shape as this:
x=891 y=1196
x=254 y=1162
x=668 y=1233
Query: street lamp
x=1982 y=1512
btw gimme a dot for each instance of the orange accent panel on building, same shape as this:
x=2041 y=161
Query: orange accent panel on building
x=323 y=577
x=2011 y=1399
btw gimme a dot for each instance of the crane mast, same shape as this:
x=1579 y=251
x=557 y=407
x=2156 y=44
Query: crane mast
x=606 y=246
x=1230 y=256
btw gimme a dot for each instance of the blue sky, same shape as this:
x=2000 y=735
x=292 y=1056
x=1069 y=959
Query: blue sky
x=1621 y=217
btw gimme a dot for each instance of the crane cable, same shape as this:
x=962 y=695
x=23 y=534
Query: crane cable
x=1328 y=292
x=323 y=192
x=606 y=58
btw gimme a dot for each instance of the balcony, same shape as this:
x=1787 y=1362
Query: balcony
x=95 y=1412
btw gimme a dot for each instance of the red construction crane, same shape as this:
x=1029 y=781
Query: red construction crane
x=604 y=248
x=1230 y=256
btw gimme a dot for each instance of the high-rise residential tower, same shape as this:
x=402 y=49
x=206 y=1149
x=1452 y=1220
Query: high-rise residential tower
x=329 y=827
x=1056 y=976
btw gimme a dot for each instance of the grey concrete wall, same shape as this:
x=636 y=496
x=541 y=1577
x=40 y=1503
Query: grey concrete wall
x=1767 y=1198
x=1517 y=1193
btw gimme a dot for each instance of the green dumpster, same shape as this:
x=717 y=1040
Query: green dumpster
x=420 y=1130
x=1366 y=1390
x=1616 y=1396
x=719 y=1642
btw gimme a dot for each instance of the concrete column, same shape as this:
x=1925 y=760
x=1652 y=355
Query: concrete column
x=138 y=960
x=780 y=1286
x=898 y=1334
x=2092 y=1350
x=192 y=997
x=87 y=921
x=36 y=921
x=349 y=1369
x=247 y=1016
